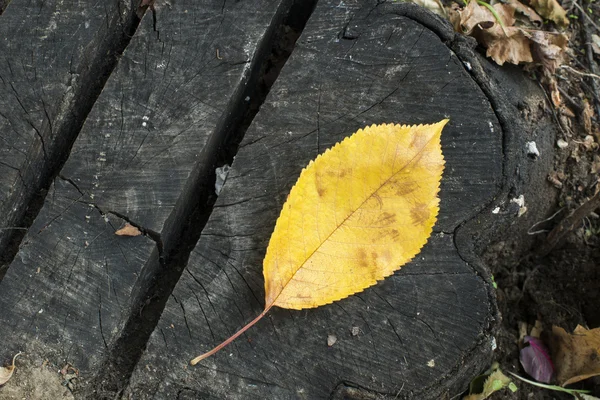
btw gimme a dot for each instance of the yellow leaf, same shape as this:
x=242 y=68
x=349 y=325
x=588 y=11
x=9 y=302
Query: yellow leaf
x=358 y=213
x=7 y=372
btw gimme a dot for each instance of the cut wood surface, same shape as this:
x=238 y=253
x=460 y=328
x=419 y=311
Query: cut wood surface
x=354 y=65
x=68 y=292
x=41 y=46
x=115 y=114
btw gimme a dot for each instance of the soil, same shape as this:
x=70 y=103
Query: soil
x=43 y=382
x=562 y=287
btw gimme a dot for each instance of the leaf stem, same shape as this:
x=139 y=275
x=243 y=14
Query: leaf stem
x=550 y=387
x=231 y=339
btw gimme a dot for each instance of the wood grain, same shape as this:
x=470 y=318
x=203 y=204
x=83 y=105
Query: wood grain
x=355 y=64
x=42 y=47
x=71 y=287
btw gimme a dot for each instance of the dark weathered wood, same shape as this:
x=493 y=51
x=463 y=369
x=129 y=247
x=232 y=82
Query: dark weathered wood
x=423 y=331
x=41 y=47
x=69 y=291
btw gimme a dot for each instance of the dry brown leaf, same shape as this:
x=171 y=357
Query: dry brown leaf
x=7 y=372
x=513 y=48
x=586 y=117
x=504 y=44
x=529 y=12
x=474 y=16
x=548 y=48
x=454 y=12
x=128 y=230
x=552 y=10
x=576 y=356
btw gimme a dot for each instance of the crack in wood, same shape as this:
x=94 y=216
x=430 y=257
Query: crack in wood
x=57 y=135
x=161 y=273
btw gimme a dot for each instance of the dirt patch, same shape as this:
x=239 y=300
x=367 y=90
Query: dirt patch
x=561 y=287
x=31 y=383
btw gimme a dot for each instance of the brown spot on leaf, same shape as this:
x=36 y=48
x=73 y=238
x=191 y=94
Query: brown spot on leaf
x=344 y=172
x=419 y=140
x=404 y=188
x=361 y=255
x=419 y=214
x=386 y=219
x=321 y=189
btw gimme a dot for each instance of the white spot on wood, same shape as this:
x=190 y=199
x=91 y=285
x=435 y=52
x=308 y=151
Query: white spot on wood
x=562 y=144
x=532 y=149
x=86 y=24
x=494 y=345
x=491 y=125
x=468 y=65
x=520 y=201
x=331 y=339
x=221 y=173
x=496 y=210
x=431 y=363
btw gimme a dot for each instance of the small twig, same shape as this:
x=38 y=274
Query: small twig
x=573 y=103
x=565 y=130
x=579 y=72
x=550 y=218
x=568 y=224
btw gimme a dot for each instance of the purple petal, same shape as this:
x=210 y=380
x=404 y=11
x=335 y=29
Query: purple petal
x=536 y=360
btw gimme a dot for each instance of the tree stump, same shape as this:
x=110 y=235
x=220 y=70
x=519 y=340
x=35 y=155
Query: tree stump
x=122 y=117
